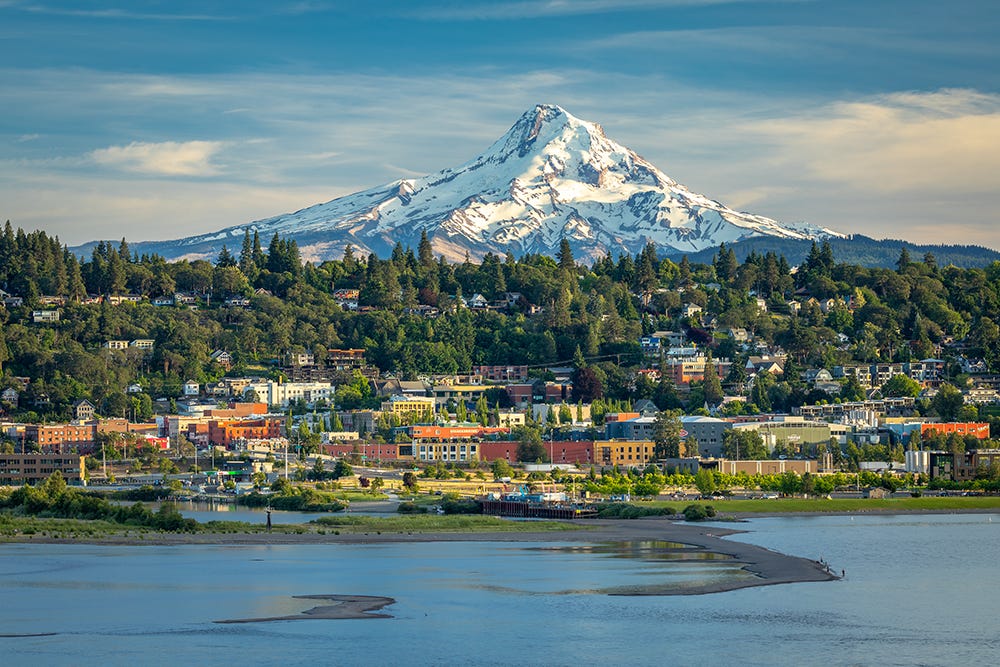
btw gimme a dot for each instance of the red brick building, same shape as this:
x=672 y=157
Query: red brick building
x=62 y=438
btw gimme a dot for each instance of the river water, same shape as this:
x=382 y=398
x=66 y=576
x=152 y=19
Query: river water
x=919 y=590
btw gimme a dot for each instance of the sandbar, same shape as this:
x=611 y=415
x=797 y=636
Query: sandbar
x=767 y=567
x=346 y=607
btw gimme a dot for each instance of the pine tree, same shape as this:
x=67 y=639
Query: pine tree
x=712 y=386
x=684 y=275
x=904 y=259
x=565 y=257
x=225 y=258
x=425 y=251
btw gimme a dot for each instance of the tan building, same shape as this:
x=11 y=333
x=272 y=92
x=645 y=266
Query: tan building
x=623 y=453
x=763 y=467
x=18 y=469
x=401 y=405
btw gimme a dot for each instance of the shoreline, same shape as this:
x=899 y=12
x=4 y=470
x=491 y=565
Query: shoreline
x=767 y=567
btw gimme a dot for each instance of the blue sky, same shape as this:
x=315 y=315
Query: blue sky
x=157 y=120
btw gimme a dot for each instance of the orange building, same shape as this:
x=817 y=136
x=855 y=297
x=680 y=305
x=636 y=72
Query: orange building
x=224 y=432
x=979 y=429
x=434 y=432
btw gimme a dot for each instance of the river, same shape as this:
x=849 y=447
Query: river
x=919 y=590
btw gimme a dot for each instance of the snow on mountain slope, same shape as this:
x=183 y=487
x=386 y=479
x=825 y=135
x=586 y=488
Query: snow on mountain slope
x=551 y=176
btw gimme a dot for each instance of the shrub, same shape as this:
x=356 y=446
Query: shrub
x=411 y=508
x=696 y=512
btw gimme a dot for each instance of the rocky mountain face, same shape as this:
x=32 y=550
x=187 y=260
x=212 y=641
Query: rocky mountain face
x=551 y=176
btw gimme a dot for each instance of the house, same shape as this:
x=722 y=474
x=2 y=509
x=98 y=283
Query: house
x=163 y=301
x=478 y=302
x=142 y=343
x=222 y=358
x=52 y=300
x=118 y=299
x=92 y=299
x=237 y=302
x=761 y=304
x=217 y=389
x=44 y=316
x=133 y=389
x=739 y=334
x=185 y=299
x=115 y=344
x=420 y=311
x=300 y=359
x=659 y=340
x=793 y=306
x=346 y=294
x=10 y=300
x=826 y=305
x=691 y=309
x=513 y=299
x=9 y=395
x=83 y=410
x=814 y=375
x=645 y=407
x=774 y=365
x=260 y=291
x=192 y=388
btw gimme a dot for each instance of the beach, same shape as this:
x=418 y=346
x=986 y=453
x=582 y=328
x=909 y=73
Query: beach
x=767 y=567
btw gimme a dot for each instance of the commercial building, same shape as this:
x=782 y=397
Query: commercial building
x=282 y=393
x=762 y=467
x=225 y=432
x=406 y=405
x=72 y=438
x=793 y=431
x=707 y=431
x=980 y=430
x=18 y=469
x=624 y=453
x=964 y=466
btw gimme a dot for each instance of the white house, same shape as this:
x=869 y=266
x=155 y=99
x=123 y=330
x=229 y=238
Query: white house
x=192 y=388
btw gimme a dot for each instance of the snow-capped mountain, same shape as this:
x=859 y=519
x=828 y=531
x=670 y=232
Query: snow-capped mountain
x=551 y=176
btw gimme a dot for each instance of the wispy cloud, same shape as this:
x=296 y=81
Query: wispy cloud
x=109 y=13
x=896 y=144
x=527 y=9
x=170 y=158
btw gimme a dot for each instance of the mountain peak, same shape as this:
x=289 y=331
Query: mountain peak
x=550 y=176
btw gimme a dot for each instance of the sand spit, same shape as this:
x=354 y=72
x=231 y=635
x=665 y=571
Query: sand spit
x=768 y=567
x=347 y=607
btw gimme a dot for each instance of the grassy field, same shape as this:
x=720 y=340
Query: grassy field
x=791 y=505
x=21 y=527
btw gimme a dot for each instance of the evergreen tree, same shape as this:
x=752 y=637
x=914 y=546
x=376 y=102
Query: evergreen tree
x=904 y=260
x=225 y=258
x=712 y=386
x=565 y=257
x=425 y=252
x=684 y=274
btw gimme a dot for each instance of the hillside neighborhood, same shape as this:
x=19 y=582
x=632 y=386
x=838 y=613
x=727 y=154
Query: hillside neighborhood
x=753 y=368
